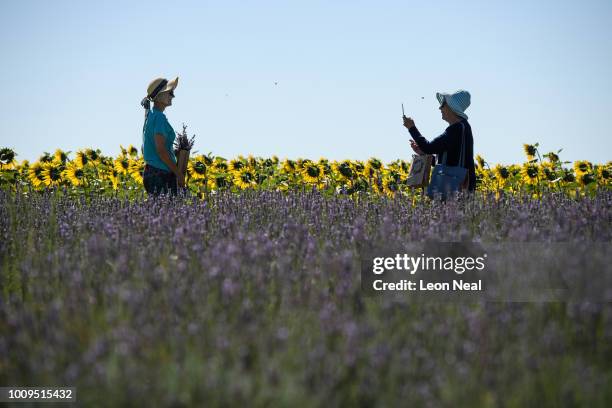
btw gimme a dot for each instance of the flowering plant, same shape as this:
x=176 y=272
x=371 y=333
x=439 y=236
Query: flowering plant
x=182 y=147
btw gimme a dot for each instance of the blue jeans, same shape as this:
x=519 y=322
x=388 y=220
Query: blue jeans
x=157 y=181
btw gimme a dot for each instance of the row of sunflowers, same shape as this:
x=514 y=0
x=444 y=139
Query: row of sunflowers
x=90 y=170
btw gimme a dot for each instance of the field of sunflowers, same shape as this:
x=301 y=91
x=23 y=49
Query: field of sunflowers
x=89 y=170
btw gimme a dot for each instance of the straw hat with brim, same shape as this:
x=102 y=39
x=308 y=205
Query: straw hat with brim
x=160 y=85
x=458 y=101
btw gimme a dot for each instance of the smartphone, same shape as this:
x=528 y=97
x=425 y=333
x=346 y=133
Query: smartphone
x=403 y=114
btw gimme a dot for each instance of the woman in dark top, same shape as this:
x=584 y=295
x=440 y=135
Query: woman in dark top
x=453 y=108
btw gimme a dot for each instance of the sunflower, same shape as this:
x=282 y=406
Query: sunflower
x=81 y=158
x=501 y=172
x=390 y=185
x=35 y=174
x=136 y=169
x=23 y=168
x=252 y=161
x=345 y=169
x=45 y=158
x=92 y=155
x=480 y=161
x=132 y=151
x=530 y=151
x=582 y=167
x=358 y=166
x=51 y=174
x=604 y=173
x=219 y=181
x=208 y=160
x=529 y=171
x=122 y=164
x=372 y=168
x=289 y=166
x=568 y=176
x=245 y=178
x=197 y=168
x=236 y=165
x=324 y=164
x=369 y=172
x=395 y=174
x=360 y=184
x=552 y=157
x=220 y=165
x=60 y=156
x=268 y=164
x=113 y=176
x=312 y=172
x=74 y=174
x=7 y=157
x=585 y=178
x=548 y=170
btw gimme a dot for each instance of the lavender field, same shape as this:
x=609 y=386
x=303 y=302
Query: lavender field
x=254 y=299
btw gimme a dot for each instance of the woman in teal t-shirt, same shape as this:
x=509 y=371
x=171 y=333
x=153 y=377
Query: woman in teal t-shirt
x=161 y=174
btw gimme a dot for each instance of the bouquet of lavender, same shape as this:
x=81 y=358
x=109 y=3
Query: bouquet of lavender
x=182 y=148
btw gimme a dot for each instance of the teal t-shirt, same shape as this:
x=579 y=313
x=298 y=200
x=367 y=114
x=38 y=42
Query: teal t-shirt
x=157 y=122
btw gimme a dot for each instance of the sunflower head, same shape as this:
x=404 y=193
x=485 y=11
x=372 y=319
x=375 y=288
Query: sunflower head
x=312 y=172
x=530 y=151
x=268 y=163
x=236 y=164
x=529 y=171
x=582 y=166
x=480 y=161
x=374 y=163
x=136 y=169
x=45 y=158
x=7 y=156
x=585 y=179
x=390 y=185
x=60 y=156
x=122 y=164
x=23 y=167
x=345 y=169
x=132 y=151
x=219 y=181
x=548 y=171
x=220 y=165
x=51 y=174
x=552 y=157
x=501 y=172
x=197 y=168
x=35 y=174
x=252 y=161
x=81 y=158
x=289 y=166
x=604 y=173
x=568 y=176
x=92 y=155
x=360 y=184
x=325 y=165
x=245 y=178
x=74 y=174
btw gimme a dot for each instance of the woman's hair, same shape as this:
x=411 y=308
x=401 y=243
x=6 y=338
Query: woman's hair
x=146 y=101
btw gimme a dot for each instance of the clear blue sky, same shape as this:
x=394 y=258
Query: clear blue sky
x=74 y=74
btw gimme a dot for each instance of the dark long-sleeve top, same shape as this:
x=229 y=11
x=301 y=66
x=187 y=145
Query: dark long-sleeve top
x=450 y=141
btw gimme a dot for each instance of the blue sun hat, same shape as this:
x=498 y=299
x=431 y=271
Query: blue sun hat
x=458 y=101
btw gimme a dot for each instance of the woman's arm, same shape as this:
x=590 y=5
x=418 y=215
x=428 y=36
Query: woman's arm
x=160 y=146
x=437 y=146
